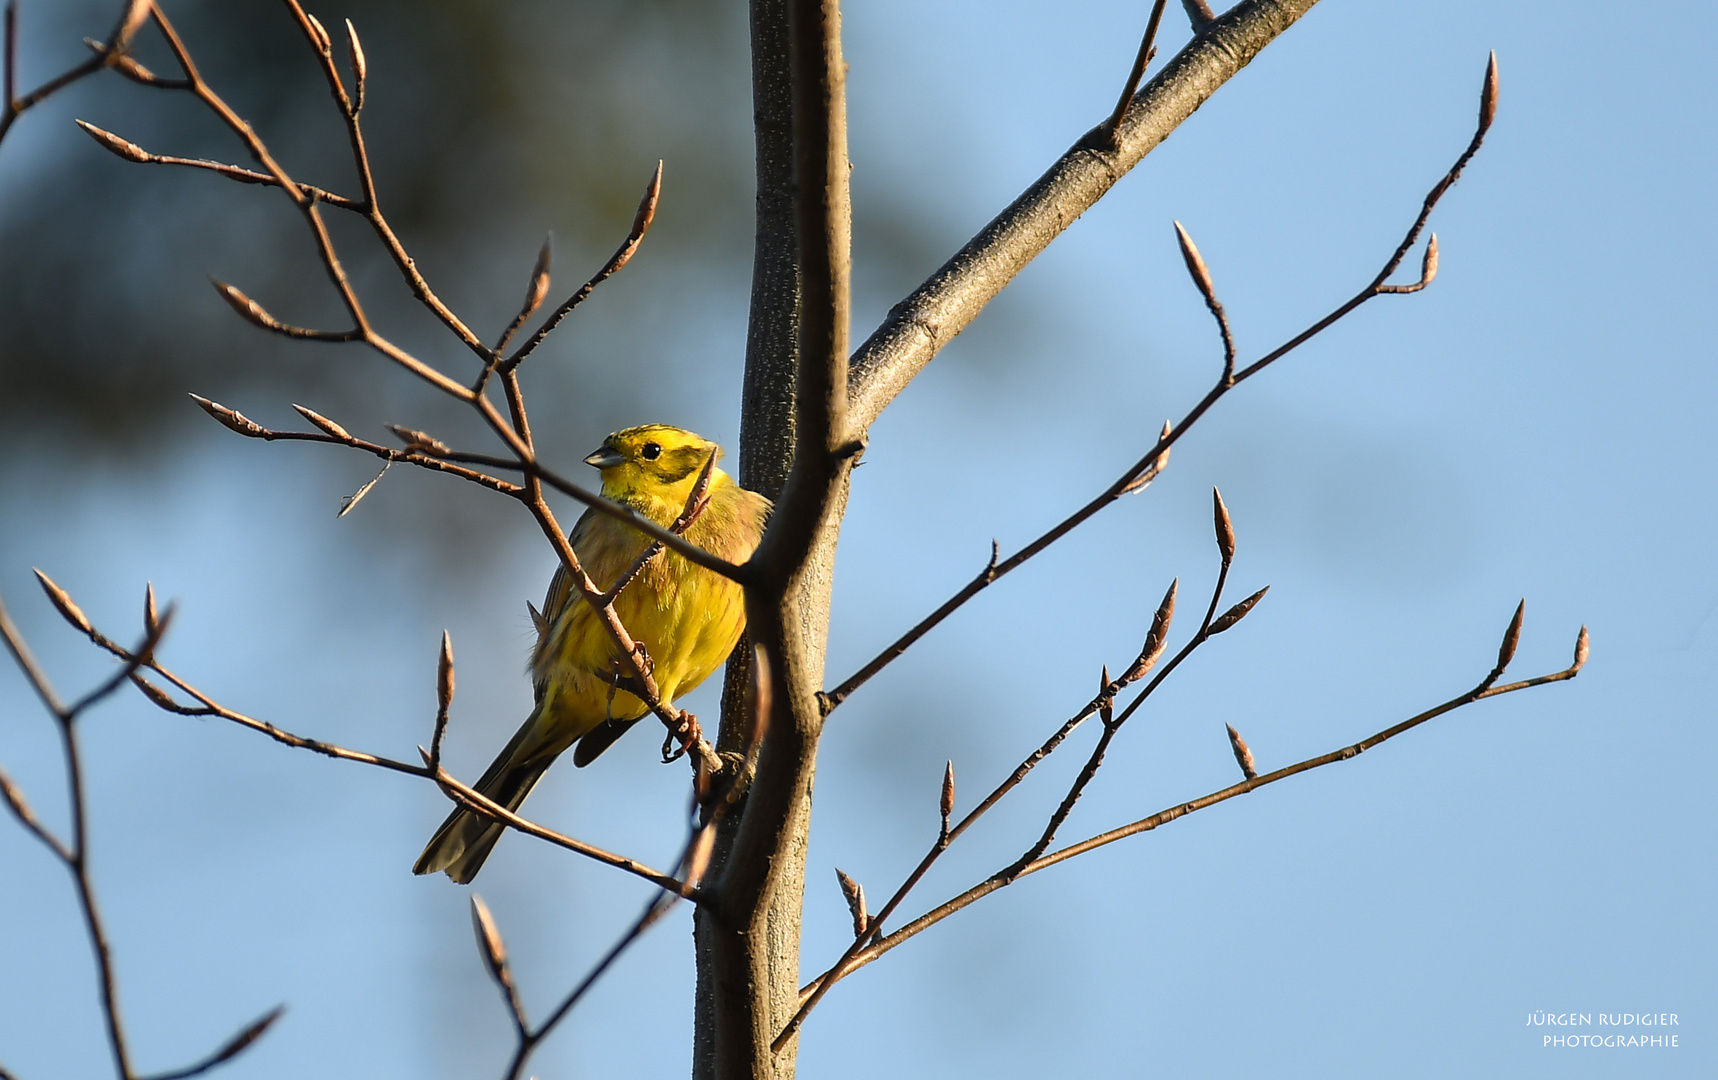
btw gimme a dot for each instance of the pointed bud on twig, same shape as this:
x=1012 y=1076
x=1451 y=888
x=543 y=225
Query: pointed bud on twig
x=1488 y=95
x=130 y=68
x=538 y=287
x=1196 y=267
x=1580 y=652
x=128 y=150
x=21 y=806
x=1429 y=261
x=444 y=673
x=360 y=67
x=151 y=622
x=1156 y=639
x=231 y=418
x=855 y=894
x=1511 y=638
x=1106 y=700
x=248 y=309
x=418 y=442
x=323 y=44
x=489 y=940
x=251 y=1034
x=946 y=805
x=328 y=426
x=1225 y=529
x=1237 y=613
x=1151 y=471
x=646 y=213
x=64 y=604
x=1243 y=756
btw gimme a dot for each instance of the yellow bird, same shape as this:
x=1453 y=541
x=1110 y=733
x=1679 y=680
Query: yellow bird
x=687 y=617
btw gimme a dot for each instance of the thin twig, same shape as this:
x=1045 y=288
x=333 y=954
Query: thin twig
x=998 y=881
x=1147 y=49
x=1198 y=14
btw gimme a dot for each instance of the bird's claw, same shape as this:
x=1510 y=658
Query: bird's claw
x=681 y=739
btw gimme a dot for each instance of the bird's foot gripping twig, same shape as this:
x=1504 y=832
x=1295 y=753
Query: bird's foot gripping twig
x=679 y=740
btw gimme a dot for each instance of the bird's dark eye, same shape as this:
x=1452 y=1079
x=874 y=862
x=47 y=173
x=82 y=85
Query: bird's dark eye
x=651 y=451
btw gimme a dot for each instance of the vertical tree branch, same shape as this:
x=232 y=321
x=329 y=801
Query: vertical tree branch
x=754 y=932
x=766 y=424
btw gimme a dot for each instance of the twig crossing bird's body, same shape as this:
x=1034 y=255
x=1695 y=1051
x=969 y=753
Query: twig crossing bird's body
x=688 y=618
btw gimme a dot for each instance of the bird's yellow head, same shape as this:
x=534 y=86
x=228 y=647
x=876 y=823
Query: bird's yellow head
x=653 y=461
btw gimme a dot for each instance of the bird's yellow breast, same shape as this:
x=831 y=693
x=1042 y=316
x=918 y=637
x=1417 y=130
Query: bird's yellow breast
x=688 y=618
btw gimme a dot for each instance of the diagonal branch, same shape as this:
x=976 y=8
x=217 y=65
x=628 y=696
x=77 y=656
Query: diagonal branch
x=919 y=326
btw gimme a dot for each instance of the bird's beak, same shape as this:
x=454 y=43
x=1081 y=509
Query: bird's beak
x=605 y=457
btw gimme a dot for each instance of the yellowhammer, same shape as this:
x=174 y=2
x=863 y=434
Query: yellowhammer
x=687 y=617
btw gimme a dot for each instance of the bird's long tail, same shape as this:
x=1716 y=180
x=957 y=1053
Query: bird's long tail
x=465 y=839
